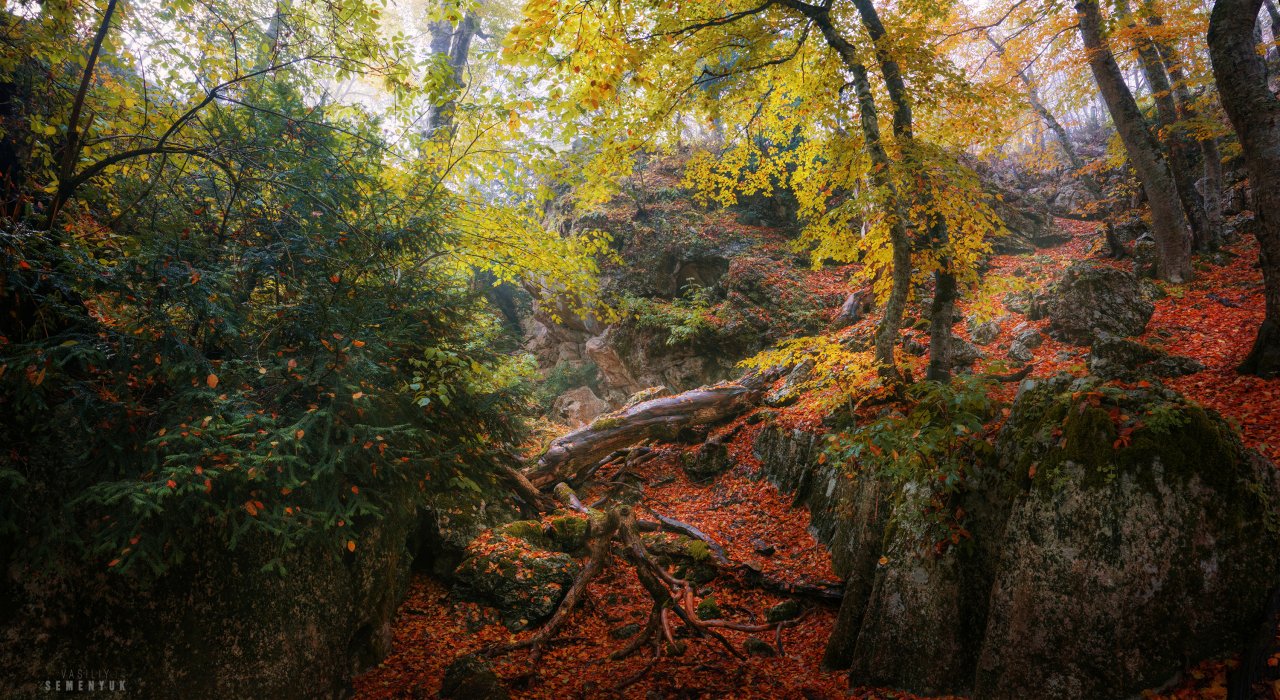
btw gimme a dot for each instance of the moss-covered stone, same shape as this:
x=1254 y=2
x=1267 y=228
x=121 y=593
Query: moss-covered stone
x=470 y=677
x=690 y=557
x=1147 y=536
x=708 y=609
x=758 y=647
x=567 y=533
x=528 y=530
x=523 y=582
x=786 y=610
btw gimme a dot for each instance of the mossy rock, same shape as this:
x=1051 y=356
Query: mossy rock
x=1093 y=299
x=470 y=677
x=523 y=582
x=786 y=610
x=530 y=531
x=758 y=647
x=690 y=557
x=708 y=609
x=1146 y=536
x=567 y=533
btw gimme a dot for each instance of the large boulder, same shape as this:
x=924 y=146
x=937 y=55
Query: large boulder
x=1147 y=536
x=1092 y=299
x=509 y=570
x=1111 y=536
x=578 y=407
x=1120 y=358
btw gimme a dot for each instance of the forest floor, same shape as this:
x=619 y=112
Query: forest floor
x=1212 y=319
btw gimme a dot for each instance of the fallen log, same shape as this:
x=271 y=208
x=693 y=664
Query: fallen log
x=571 y=457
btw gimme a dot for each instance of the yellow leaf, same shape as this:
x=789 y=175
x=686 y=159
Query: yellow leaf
x=212 y=381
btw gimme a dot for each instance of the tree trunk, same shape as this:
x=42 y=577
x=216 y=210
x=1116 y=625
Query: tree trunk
x=571 y=456
x=1241 y=76
x=1211 y=192
x=1182 y=162
x=1210 y=189
x=903 y=130
x=453 y=46
x=881 y=179
x=1169 y=222
x=941 y=318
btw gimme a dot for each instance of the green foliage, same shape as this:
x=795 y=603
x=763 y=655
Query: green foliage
x=684 y=320
x=285 y=354
x=927 y=451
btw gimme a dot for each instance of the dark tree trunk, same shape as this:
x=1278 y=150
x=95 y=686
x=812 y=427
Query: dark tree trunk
x=941 y=318
x=881 y=178
x=939 y=235
x=1169 y=222
x=453 y=46
x=1210 y=189
x=1241 y=76
x=1182 y=161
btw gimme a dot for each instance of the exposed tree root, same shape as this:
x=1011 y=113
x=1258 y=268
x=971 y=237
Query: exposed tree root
x=674 y=600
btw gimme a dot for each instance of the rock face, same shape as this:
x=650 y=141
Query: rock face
x=1119 y=358
x=1092 y=299
x=631 y=361
x=219 y=626
x=790 y=459
x=1113 y=533
x=1029 y=226
x=1120 y=563
x=579 y=406
x=710 y=459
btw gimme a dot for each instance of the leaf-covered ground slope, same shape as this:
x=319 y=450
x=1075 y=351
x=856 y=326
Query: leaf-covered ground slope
x=1210 y=319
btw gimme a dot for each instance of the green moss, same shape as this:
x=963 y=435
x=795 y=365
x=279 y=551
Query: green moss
x=1148 y=436
x=606 y=422
x=568 y=532
x=698 y=550
x=786 y=610
x=528 y=530
x=708 y=609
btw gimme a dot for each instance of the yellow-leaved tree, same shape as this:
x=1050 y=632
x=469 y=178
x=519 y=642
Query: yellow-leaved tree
x=783 y=90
